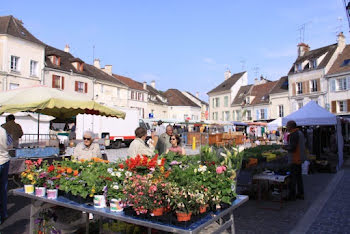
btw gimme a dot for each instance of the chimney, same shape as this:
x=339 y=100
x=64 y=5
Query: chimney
x=256 y=81
x=97 y=63
x=302 y=49
x=197 y=94
x=145 y=85
x=153 y=84
x=227 y=74
x=66 y=49
x=341 y=41
x=108 y=69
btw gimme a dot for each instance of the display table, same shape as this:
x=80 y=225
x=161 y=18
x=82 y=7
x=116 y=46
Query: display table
x=38 y=202
x=280 y=180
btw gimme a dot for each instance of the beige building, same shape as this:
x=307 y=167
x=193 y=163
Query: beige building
x=221 y=97
x=307 y=75
x=180 y=107
x=157 y=105
x=338 y=79
x=279 y=99
x=204 y=106
x=21 y=55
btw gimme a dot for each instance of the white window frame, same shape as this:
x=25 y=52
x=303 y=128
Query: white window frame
x=227 y=115
x=249 y=114
x=226 y=101
x=313 y=86
x=217 y=102
x=342 y=84
x=33 y=68
x=262 y=113
x=299 y=87
x=342 y=106
x=81 y=89
x=280 y=111
x=15 y=63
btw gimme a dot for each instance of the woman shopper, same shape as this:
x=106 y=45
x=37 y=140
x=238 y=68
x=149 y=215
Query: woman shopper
x=175 y=141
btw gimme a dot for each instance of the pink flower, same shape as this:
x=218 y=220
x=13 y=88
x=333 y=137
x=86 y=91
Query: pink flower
x=219 y=170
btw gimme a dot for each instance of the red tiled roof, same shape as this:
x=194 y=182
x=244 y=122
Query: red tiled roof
x=130 y=82
x=176 y=98
x=261 y=92
x=338 y=66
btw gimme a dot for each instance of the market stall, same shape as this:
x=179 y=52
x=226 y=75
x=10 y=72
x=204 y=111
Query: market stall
x=321 y=128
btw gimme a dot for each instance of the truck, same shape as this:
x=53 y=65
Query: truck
x=117 y=131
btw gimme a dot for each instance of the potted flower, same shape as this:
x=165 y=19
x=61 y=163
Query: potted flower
x=52 y=179
x=30 y=176
x=182 y=201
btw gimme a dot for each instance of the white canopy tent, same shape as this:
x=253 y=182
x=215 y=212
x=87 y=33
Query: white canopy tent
x=274 y=125
x=313 y=114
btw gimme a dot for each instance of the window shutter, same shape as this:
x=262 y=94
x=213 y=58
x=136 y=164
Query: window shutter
x=62 y=83
x=294 y=88
x=257 y=114
x=265 y=113
x=59 y=61
x=53 y=81
x=333 y=85
x=303 y=87
x=334 y=106
x=307 y=87
x=76 y=86
x=86 y=87
x=318 y=85
x=348 y=105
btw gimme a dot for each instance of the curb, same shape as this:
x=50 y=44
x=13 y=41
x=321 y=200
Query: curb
x=310 y=216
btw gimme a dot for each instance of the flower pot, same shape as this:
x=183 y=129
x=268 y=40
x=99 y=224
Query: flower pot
x=157 y=211
x=116 y=205
x=29 y=188
x=99 y=201
x=203 y=209
x=181 y=217
x=52 y=193
x=40 y=191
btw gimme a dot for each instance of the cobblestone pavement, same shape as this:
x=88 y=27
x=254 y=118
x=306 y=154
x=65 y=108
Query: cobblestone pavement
x=335 y=215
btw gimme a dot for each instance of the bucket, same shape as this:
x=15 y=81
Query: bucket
x=99 y=201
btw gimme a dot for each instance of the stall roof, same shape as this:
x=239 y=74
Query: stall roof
x=239 y=123
x=311 y=114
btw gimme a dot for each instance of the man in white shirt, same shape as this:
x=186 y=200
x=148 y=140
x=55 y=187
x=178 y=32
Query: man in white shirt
x=4 y=170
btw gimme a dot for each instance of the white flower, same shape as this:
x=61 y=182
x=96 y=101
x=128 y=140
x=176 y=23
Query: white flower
x=116 y=187
x=120 y=169
x=223 y=154
x=159 y=161
x=128 y=173
x=202 y=168
x=195 y=170
x=110 y=170
x=241 y=148
x=113 y=174
x=118 y=174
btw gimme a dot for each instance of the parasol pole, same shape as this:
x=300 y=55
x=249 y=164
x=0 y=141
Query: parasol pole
x=38 y=126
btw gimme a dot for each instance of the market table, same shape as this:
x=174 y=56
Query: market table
x=38 y=202
x=280 y=180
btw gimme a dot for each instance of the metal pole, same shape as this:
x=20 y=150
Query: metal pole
x=38 y=127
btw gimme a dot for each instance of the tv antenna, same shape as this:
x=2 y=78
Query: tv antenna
x=340 y=25
x=256 y=70
x=242 y=62
x=301 y=30
x=93 y=53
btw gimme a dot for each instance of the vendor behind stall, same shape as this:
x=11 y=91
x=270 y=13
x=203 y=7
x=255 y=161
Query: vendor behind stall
x=86 y=150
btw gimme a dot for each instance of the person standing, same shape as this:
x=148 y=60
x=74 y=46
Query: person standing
x=4 y=170
x=138 y=146
x=13 y=129
x=86 y=150
x=296 y=156
x=164 y=140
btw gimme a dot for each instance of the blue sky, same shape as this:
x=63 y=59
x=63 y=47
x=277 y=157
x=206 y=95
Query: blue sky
x=184 y=44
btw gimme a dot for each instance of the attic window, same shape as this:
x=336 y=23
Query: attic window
x=55 y=60
x=346 y=62
x=299 y=67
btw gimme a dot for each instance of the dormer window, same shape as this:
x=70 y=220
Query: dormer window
x=55 y=60
x=299 y=67
x=346 y=62
x=313 y=63
x=247 y=100
x=78 y=66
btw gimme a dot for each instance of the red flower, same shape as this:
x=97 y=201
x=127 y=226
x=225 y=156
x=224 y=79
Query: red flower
x=29 y=162
x=39 y=161
x=121 y=166
x=51 y=168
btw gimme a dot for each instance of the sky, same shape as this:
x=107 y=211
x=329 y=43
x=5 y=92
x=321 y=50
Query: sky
x=184 y=44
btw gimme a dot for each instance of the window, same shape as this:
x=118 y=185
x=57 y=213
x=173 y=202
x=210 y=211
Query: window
x=262 y=114
x=57 y=82
x=299 y=88
x=213 y=101
x=14 y=63
x=226 y=101
x=313 y=63
x=346 y=62
x=247 y=100
x=238 y=114
x=342 y=106
x=80 y=87
x=227 y=116
x=132 y=95
x=342 y=84
x=313 y=85
x=233 y=115
x=299 y=67
x=13 y=86
x=249 y=115
x=217 y=102
x=56 y=60
x=280 y=111
x=101 y=88
x=213 y=115
x=33 y=68
x=300 y=104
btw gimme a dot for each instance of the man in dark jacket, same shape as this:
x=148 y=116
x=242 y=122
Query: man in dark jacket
x=296 y=156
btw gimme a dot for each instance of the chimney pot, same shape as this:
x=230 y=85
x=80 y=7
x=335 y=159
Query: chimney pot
x=153 y=84
x=145 y=85
x=227 y=74
x=197 y=94
x=97 y=63
x=66 y=48
x=341 y=41
x=108 y=69
x=303 y=48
